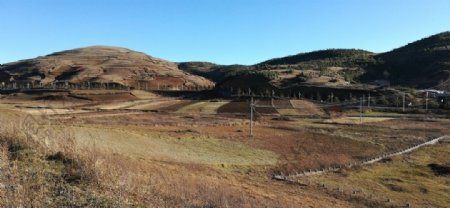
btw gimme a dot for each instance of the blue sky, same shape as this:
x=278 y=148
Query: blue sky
x=220 y=31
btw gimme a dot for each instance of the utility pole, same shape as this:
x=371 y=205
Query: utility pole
x=360 y=109
x=426 y=102
x=368 y=101
x=404 y=95
x=364 y=98
x=251 y=116
x=271 y=99
x=396 y=101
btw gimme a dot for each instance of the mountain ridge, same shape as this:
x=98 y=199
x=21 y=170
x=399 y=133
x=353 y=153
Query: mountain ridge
x=423 y=63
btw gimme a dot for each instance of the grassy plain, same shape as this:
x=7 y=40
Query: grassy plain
x=194 y=154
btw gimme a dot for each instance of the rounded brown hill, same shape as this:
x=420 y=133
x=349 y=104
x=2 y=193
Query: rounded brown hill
x=102 y=64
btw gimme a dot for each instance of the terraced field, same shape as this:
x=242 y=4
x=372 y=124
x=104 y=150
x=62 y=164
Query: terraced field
x=207 y=107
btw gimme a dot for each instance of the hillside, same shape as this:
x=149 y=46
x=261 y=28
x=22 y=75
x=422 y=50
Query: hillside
x=421 y=64
x=330 y=68
x=100 y=64
x=214 y=72
x=329 y=57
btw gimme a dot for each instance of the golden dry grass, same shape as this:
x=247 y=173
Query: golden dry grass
x=53 y=169
x=193 y=149
x=355 y=120
x=202 y=107
x=123 y=159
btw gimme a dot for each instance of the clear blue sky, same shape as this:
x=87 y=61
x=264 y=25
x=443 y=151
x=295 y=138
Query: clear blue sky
x=221 y=31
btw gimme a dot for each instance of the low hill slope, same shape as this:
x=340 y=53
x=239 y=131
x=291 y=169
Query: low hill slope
x=101 y=64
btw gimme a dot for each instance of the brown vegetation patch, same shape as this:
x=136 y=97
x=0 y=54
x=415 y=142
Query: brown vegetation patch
x=234 y=107
x=440 y=169
x=243 y=107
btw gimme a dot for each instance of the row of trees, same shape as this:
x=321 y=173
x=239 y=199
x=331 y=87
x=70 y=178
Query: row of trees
x=99 y=85
x=393 y=100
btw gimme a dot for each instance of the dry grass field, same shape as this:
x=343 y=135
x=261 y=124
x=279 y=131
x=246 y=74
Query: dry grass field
x=164 y=152
x=402 y=181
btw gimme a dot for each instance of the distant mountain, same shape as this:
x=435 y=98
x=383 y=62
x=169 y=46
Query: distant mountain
x=421 y=64
x=100 y=64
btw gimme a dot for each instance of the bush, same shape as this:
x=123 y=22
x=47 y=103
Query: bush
x=301 y=77
x=269 y=75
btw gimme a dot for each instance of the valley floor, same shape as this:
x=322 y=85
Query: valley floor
x=166 y=152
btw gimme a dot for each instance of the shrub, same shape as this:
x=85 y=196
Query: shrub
x=269 y=75
x=301 y=77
